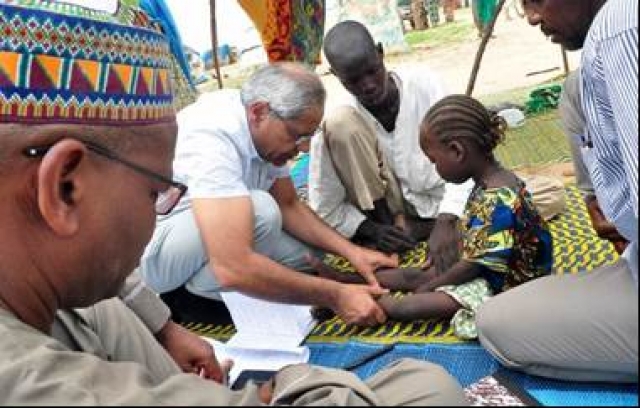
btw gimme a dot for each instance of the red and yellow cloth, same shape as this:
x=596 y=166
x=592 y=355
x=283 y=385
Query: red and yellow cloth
x=291 y=30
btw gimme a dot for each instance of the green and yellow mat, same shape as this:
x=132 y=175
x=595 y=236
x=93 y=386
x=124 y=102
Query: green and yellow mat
x=576 y=248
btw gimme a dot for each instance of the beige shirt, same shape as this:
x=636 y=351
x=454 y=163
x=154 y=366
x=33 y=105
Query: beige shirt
x=36 y=369
x=421 y=185
x=145 y=303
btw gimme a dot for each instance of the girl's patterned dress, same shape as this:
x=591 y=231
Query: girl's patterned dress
x=503 y=232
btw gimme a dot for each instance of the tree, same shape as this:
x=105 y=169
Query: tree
x=419 y=15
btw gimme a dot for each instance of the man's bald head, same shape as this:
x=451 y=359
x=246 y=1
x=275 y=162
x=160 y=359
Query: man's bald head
x=348 y=44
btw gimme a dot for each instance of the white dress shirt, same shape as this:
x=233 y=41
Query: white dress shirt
x=420 y=183
x=215 y=153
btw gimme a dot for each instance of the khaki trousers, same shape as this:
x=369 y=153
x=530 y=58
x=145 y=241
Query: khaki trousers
x=570 y=327
x=359 y=162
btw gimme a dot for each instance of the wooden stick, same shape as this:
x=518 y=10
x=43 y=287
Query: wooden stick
x=483 y=45
x=565 y=60
x=214 y=40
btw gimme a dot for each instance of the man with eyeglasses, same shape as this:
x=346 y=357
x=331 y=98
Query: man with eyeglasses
x=584 y=327
x=241 y=226
x=87 y=137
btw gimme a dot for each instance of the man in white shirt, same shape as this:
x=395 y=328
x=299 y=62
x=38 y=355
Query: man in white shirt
x=242 y=227
x=368 y=176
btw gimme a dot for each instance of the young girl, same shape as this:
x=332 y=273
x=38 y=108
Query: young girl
x=505 y=242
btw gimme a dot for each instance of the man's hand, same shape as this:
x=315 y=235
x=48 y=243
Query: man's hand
x=604 y=228
x=191 y=353
x=444 y=243
x=265 y=392
x=356 y=304
x=367 y=262
x=387 y=238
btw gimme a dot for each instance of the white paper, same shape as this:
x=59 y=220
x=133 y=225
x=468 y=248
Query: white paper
x=267 y=325
x=268 y=334
x=257 y=359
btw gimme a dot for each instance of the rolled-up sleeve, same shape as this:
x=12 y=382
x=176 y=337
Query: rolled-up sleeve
x=327 y=196
x=145 y=303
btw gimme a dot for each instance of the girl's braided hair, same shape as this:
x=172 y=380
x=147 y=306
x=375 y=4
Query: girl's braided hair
x=463 y=117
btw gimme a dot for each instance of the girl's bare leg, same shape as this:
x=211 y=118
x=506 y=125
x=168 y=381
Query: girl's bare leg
x=420 y=306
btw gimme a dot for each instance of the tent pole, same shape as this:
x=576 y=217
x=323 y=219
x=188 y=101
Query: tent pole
x=565 y=60
x=214 y=40
x=483 y=45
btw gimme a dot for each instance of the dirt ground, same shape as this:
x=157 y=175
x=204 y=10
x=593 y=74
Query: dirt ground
x=511 y=59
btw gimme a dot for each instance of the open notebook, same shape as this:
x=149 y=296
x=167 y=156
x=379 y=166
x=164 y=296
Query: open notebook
x=268 y=335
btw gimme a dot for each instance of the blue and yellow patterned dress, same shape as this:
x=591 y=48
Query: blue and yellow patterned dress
x=503 y=232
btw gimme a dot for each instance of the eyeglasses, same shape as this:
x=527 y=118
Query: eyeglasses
x=166 y=200
x=302 y=139
x=298 y=139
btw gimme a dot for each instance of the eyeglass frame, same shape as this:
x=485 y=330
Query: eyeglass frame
x=298 y=139
x=40 y=151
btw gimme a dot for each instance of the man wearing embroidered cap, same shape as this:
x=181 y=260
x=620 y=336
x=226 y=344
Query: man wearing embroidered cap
x=87 y=133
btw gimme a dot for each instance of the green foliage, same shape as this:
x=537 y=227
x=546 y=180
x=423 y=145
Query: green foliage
x=543 y=98
x=443 y=34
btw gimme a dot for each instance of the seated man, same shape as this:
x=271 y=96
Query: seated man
x=242 y=226
x=368 y=176
x=574 y=126
x=68 y=242
x=584 y=327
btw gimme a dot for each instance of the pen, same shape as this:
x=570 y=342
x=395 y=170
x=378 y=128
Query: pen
x=369 y=357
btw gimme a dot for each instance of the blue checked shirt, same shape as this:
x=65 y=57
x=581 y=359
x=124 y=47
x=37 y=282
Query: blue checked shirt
x=610 y=102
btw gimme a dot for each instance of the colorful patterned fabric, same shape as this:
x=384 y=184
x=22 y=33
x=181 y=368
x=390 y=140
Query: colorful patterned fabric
x=63 y=63
x=504 y=232
x=184 y=91
x=290 y=30
x=471 y=295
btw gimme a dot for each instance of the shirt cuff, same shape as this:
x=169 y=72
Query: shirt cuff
x=351 y=223
x=455 y=198
x=148 y=306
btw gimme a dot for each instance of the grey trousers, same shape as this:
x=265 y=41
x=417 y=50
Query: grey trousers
x=176 y=255
x=572 y=327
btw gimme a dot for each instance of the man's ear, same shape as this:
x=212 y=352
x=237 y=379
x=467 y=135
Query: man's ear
x=61 y=186
x=258 y=111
